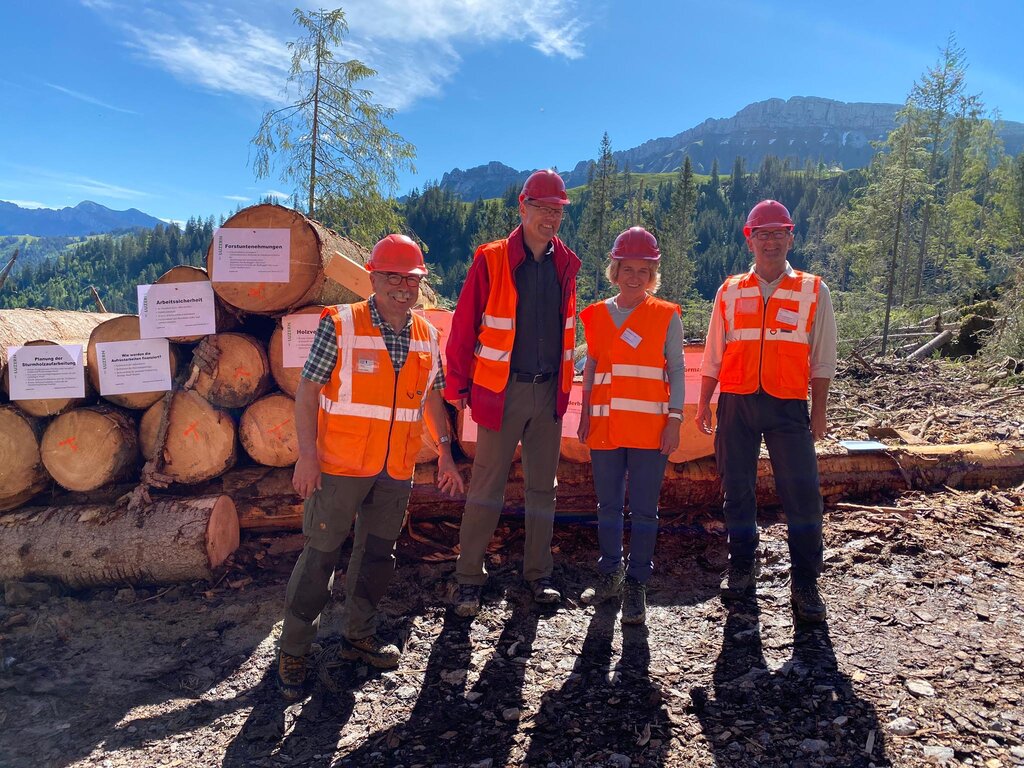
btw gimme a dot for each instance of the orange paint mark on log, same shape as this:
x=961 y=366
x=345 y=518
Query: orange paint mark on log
x=242 y=373
x=191 y=430
x=70 y=442
x=277 y=429
x=258 y=290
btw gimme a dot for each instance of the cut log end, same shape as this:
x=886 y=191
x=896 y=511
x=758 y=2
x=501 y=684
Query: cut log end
x=86 y=448
x=22 y=474
x=222 y=531
x=267 y=431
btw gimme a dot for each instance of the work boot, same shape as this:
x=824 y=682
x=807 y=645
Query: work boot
x=372 y=650
x=634 y=602
x=605 y=586
x=807 y=603
x=740 y=580
x=291 y=675
x=544 y=591
x=466 y=599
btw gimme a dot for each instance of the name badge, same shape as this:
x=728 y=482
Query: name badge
x=366 y=365
x=787 y=317
x=630 y=337
x=749 y=305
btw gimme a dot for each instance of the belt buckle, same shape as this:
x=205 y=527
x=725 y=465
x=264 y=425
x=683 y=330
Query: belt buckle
x=538 y=378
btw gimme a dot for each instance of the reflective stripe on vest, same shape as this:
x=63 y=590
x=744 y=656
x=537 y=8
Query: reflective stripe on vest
x=629 y=398
x=369 y=417
x=768 y=345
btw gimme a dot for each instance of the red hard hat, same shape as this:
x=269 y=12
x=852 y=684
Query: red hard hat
x=544 y=187
x=397 y=253
x=767 y=213
x=636 y=243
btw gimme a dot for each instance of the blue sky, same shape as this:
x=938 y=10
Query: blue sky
x=151 y=105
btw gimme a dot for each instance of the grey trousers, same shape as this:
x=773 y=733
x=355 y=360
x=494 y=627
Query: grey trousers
x=529 y=417
x=377 y=506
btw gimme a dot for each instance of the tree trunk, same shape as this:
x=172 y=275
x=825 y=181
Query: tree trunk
x=225 y=320
x=287 y=378
x=123 y=328
x=89 y=447
x=241 y=375
x=201 y=442
x=50 y=406
x=926 y=349
x=169 y=541
x=267 y=431
x=22 y=474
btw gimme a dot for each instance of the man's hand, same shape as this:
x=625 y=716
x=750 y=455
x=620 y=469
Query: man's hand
x=670 y=437
x=703 y=418
x=306 y=477
x=448 y=478
x=819 y=423
x=584 y=429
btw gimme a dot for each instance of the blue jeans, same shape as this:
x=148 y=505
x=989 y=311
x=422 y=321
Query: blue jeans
x=645 y=468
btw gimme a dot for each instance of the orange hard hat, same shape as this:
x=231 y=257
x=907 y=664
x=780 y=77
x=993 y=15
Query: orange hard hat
x=767 y=213
x=636 y=243
x=544 y=187
x=397 y=253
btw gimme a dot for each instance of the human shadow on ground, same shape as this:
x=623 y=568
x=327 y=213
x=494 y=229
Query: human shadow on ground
x=804 y=713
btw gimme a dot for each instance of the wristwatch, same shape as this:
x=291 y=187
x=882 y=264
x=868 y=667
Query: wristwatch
x=675 y=415
x=444 y=439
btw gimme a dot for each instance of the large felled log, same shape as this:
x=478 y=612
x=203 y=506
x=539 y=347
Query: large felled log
x=201 y=440
x=89 y=447
x=267 y=431
x=50 y=406
x=122 y=328
x=241 y=373
x=287 y=378
x=184 y=273
x=22 y=474
x=169 y=541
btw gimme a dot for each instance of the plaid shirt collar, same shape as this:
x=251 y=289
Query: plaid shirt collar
x=379 y=322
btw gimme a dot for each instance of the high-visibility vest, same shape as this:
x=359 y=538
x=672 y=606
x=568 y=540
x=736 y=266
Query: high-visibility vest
x=767 y=346
x=369 y=416
x=629 y=398
x=497 y=333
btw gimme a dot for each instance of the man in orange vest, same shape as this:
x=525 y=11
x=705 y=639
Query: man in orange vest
x=772 y=335
x=510 y=358
x=373 y=373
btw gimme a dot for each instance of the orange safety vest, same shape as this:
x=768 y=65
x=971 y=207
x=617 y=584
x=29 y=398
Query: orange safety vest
x=497 y=332
x=369 y=416
x=629 y=399
x=767 y=346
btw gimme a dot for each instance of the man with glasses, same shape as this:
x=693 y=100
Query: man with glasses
x=373 y=373
x=510 y=358
x=772 y=335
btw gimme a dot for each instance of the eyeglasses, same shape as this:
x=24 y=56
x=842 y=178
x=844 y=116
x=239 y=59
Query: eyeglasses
x=551 y=213
x=771 y=234
x=393 y=278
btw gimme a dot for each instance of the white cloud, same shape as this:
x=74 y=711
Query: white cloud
x=276 y=194
x=413 y=44
x=237 y=198
x=101 y=188
x=90 y=99
x=26 y=203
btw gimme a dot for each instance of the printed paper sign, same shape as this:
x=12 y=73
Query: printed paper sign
x=251 y=255
x=176 y=309
x=297 y=336
x=134 y=366
x=45 y=372
x=787 y=317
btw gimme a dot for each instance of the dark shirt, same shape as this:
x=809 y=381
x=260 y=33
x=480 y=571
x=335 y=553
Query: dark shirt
x=538 y=342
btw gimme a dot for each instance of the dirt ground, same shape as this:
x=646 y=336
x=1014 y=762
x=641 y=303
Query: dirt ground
x=920 y=662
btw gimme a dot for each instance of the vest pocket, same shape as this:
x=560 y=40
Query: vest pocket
x=731 y=370
x=344 y=443
x=793 y=368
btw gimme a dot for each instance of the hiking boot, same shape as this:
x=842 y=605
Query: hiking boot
x=466 y=599
x=634 y=602
x=605 y=586
x=807 y=603
x=291 y=675
x=544 y=591
x=740 y=580
x=372 y=650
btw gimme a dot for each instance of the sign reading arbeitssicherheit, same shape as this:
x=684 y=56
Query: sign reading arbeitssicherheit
x=134 y=366
x=297 y=338
x=176 y=309
x=251 y=255
x=46 y=372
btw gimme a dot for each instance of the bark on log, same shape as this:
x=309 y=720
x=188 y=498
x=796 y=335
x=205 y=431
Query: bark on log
x=122 y=328
x=287 y=378
x=201 y=440
x=170 y=541
x=225 y=320
x=241 y=375
x=22 y=474
x=926 y=349
x=50 y=406
x=267 y=431
x=89 y=447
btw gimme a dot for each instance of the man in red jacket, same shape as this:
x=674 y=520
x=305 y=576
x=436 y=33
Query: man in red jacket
x=510 y=357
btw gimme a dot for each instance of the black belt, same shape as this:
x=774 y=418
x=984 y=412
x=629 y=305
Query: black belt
x=532 y=378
